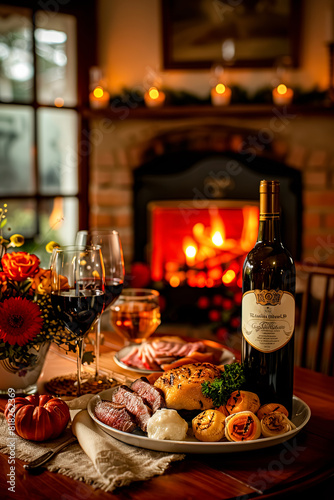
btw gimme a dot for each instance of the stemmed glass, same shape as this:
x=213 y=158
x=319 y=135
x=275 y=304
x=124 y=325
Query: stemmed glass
x=135 y=316
x=112 y=254
x=77 y=291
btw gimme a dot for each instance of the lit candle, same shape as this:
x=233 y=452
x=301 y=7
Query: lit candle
x=154 y=98
x=59 y=102
x=221 y=95
x=99 y=98
x=282 y=95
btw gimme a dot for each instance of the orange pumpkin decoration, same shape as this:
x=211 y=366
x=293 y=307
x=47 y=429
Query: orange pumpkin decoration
x=37 y=418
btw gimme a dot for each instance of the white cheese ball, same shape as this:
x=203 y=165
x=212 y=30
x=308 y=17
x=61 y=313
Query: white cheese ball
x=167 y=424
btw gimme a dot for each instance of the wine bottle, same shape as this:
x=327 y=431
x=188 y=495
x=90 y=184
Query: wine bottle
x=268 y=307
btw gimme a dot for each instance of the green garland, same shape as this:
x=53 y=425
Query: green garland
x=240 y=95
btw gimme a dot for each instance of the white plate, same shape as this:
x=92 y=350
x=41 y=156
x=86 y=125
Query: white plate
x=226 y=358
x=301 y=414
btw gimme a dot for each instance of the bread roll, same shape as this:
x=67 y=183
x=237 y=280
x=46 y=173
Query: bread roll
x=182 y=387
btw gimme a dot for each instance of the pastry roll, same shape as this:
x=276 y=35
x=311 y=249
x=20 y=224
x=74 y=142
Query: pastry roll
x=269 y=408
x=276 y=423
x=243 y=401
x=242 y=426
x=209 y=425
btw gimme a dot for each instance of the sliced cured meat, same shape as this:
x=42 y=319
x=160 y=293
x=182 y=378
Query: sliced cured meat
x=134 y=404
x=133 y=359
x=151 y=395
x=153 y=354
x=115 y=415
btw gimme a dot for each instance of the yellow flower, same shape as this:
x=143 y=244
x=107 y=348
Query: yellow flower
x=51 y=245
x=17 y=240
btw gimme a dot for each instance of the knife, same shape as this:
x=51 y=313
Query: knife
x=49 y=454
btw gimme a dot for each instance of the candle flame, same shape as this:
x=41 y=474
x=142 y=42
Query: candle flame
x=282 y=89
x=98 y=92
x=220 y=88
x=59 y=102
x=153 y=93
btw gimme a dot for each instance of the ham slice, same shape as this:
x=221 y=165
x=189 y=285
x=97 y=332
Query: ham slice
x=151 y=355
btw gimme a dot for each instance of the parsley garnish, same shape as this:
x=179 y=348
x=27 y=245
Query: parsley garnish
x=220 y=389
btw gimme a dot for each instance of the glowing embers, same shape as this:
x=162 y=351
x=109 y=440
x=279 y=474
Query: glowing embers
x=201 y=247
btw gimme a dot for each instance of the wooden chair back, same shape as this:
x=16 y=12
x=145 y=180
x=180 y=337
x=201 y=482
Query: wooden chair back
x=315 y=328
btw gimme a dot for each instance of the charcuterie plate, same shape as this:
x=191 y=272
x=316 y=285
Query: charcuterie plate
x=226 y=356
x=301 y=414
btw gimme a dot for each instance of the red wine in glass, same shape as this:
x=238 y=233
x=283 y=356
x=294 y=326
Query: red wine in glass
x=77 y=296
x=113 y=261
x=78 y=312
x=113 y=288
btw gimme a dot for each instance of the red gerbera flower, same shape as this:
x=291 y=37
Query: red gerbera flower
x=20 y=320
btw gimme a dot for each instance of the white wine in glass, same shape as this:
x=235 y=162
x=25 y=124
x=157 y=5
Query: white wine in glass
x=136 y=314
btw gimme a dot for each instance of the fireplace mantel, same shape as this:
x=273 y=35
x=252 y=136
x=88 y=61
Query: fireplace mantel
x=132 y=110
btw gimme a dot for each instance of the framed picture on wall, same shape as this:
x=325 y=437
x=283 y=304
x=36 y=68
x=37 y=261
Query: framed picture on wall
x=241 y=33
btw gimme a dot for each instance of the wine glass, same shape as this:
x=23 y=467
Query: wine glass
x=112 y=254
x=77 y=292
x=136 y=314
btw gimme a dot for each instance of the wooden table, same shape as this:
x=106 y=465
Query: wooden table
x=302 y=465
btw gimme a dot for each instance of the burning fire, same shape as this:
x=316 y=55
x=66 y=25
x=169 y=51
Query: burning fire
x=212 y=252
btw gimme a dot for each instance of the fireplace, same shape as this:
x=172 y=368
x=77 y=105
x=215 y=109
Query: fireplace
x=195 y=219
x=200 y=247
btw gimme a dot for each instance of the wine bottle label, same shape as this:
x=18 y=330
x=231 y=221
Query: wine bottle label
x=268 y=319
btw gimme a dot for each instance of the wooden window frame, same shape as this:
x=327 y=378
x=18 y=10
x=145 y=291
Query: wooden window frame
x=86 y=57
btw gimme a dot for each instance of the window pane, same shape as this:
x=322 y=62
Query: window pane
x=16 y=150
x=57 y=153
x=54 y=220
x=21 y=218
x=55 y=38
x=16 y=58
x=58 y=220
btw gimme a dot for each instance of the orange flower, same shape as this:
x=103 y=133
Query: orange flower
x=3 y=282
x=42 y=281
x=19 y=266
x=20 y=320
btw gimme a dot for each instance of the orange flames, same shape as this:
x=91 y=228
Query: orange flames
x=209 y=248
x=202 y=248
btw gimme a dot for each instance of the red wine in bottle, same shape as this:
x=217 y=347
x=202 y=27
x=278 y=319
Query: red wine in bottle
x=268 y=307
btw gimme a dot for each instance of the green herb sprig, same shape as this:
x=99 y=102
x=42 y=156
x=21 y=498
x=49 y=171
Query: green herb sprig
x=220 y=389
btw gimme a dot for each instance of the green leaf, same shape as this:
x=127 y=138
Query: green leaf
x=3 y=223
x=24 y=286
x=220 y=389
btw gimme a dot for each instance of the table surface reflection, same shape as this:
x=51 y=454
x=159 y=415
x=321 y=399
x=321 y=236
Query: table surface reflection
x=303 y=464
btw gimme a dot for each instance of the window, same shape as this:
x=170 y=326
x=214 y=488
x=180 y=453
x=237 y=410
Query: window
x=42 y=179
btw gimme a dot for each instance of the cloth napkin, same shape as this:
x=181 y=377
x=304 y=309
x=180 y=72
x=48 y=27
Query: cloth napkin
x=98 y=459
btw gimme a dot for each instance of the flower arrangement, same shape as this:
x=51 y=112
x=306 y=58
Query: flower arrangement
x=27 y=319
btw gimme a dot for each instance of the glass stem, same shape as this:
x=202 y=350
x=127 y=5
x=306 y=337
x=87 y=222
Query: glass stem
x=97 y=347
x=79 y=349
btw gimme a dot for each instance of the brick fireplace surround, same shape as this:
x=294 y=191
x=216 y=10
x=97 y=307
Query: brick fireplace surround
x=121 y=144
